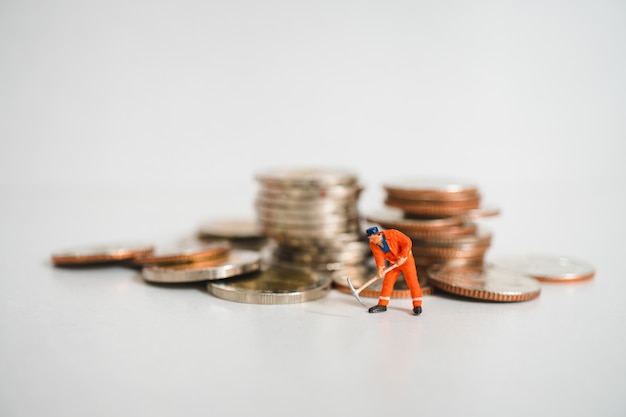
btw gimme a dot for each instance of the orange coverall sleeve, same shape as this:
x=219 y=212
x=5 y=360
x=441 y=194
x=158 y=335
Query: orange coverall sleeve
x=378 y=255
x=402 y=243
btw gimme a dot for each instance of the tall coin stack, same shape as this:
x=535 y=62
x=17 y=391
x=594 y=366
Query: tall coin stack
x=439 y=217
x=312 y=214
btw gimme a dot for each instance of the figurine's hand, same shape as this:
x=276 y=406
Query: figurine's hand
x=400 y=261
x=381 y=271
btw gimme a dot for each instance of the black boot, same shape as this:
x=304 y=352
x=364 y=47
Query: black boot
x=377 y=309
x=417 y=310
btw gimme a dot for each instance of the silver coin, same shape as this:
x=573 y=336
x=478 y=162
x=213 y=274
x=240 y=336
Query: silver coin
x=317 y=268
x=313 y=208
x=231 y=229
x=275 y=285
x=336 y=241
x=345 y=258
x=307 y=221
x=355 y=247
x=303 y=177
x=547 y=267
x=238 y=262
x=490 y=283
x=309 y=229
x=300 y=194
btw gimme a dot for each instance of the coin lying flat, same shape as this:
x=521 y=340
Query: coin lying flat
x=238 y=262
x=98 y=254
x=275 y=285
x=490 y=283
x=184 y=253
x=430 y=189
x=547 y=267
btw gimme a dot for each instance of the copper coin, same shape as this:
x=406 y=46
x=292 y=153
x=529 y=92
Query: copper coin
x=430 y=189
x=450 y=232
x=98 y=254
x=424 y=262
x=490 y=283
x=481 y=238
x=184 y=253
x=395 y=219
x=449 y=252
x=550 y=268
x=459 y=204
x=433 y=210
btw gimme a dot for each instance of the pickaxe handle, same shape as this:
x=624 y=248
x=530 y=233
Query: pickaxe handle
x=375 y=278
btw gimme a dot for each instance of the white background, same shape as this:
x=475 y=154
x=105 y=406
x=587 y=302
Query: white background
x=140 y=120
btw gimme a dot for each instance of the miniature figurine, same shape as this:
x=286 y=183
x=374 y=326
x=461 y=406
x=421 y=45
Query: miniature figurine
x=394 y=247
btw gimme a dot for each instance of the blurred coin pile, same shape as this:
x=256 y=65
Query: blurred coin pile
x=308 y=234
x=313 y=216
x=440 y=218
x=181 y=262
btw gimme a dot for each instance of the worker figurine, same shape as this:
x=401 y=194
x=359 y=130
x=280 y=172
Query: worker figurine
x=395 y=247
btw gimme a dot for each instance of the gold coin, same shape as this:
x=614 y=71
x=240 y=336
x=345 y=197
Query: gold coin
x=490 y=283
x=275 y=285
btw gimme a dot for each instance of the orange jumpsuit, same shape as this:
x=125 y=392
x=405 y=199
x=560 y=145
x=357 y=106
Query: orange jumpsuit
x=399 y=246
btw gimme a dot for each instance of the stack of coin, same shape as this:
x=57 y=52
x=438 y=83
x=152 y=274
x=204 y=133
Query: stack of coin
x=439 y=217
x=312 y=214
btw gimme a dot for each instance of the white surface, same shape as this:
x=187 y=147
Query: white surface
x=130 y=120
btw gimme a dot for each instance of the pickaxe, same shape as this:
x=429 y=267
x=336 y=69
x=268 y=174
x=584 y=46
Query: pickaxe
x=357 y=291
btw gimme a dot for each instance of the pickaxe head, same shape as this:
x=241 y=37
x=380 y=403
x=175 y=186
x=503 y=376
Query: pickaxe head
x=356 y=294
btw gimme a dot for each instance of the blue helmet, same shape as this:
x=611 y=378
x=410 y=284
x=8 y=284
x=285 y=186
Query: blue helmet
x=371 y=231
